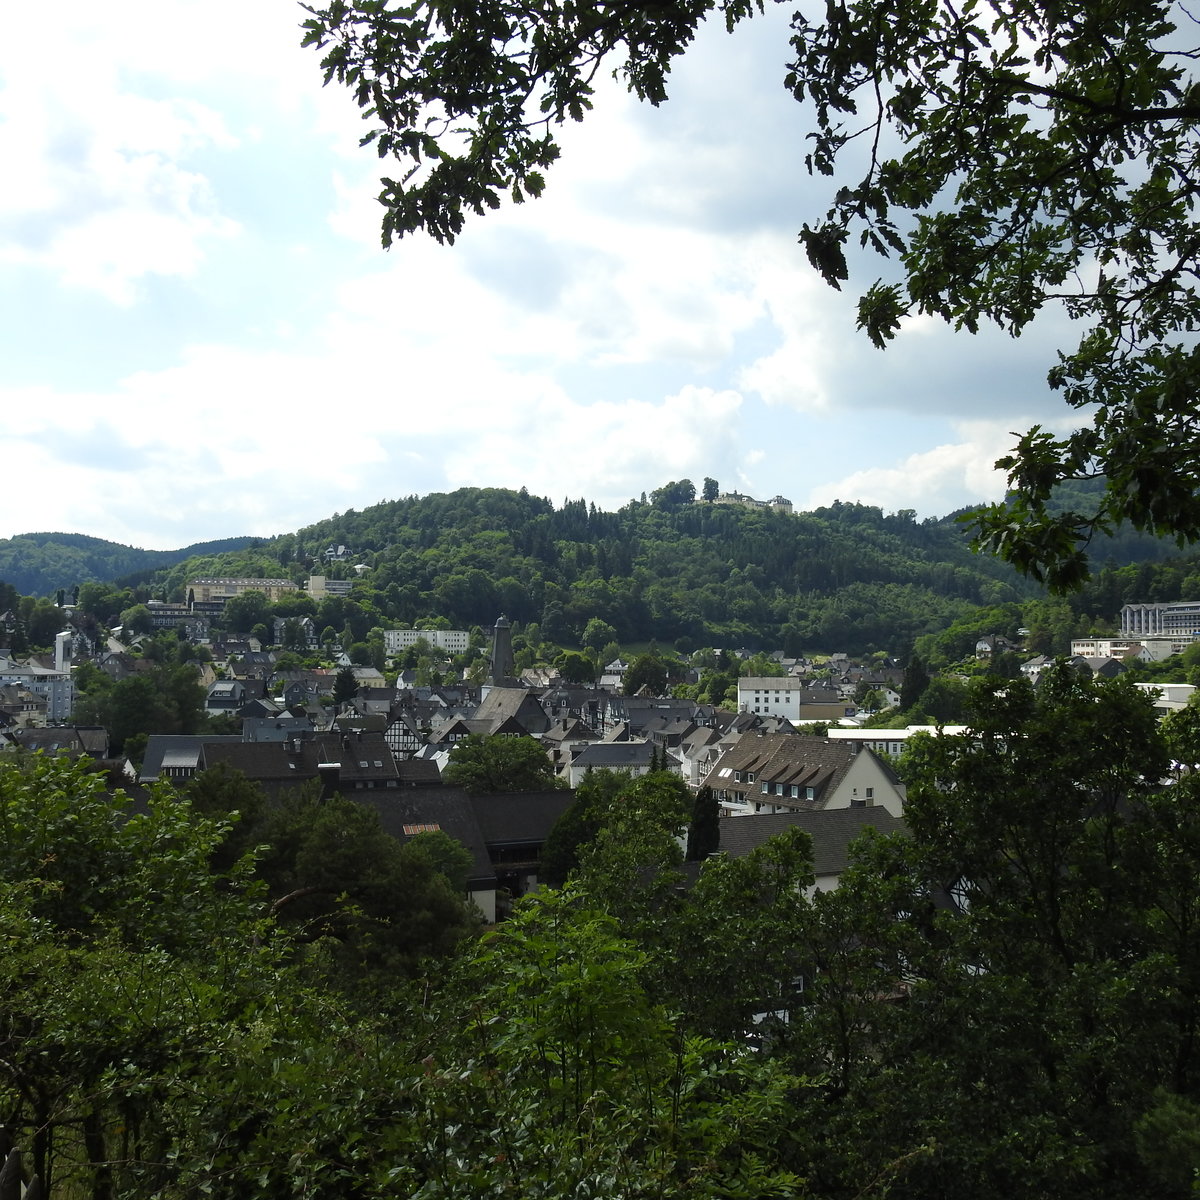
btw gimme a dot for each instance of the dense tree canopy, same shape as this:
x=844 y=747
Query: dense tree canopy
x=1019 y=156
x=1001 y=1001
x=481 y=763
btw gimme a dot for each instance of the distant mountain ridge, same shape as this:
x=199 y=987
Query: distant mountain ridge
x=38 y=564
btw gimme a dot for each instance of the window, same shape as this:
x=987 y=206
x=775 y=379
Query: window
x=870 y=793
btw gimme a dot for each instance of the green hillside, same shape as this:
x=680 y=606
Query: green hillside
x=678 y=572
x=688 y=574
x=38 y=564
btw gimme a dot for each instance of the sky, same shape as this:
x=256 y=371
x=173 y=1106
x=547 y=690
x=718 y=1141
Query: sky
x=202 y=336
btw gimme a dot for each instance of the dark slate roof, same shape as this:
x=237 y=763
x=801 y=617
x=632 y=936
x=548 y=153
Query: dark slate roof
x=615 y=754
x=183 y=750
x=638 y=710
x=519 y=817
x=832 y=830
x=275 y=728
x=809 y=762
x=569 y=729
x=458 y=728
x=503 y=704
x=402 y=812
x=364 y=759
x=414 y=772
x=90 y=741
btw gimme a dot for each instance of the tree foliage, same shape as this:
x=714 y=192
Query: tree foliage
x=481 y=763
x=1020 y=157
x=1022 y=962
x=1001 y=1001
x=166 y=697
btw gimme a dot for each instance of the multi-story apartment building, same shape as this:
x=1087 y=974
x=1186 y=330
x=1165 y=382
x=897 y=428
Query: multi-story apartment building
x=217 y=591
x=1180 y=619
x=318 y=587
x=453 y=641
x=774 y=697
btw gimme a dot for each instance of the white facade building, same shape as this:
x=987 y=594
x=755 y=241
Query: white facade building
x=1168 y=697
x=773 y=697
x=1148 y=649
x=889 y=742
x=1180 y=619
x=453 y=641
x=318 y=587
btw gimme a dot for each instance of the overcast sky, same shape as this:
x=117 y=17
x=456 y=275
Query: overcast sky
x=203 y=338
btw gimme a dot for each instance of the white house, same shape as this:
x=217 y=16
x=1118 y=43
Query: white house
x=774 y=697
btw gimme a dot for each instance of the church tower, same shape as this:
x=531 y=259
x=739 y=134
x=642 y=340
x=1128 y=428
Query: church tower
x=501 y=674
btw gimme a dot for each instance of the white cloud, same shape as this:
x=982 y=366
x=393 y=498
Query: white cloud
x=934 y=481
x=105 y=197
x=651 y=318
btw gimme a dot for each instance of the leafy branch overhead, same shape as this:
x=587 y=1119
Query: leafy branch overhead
x=1018 y=157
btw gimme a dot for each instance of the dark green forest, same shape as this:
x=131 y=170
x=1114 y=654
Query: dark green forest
x=39 y=564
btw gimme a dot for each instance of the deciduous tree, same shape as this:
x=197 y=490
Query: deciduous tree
x=499 y=764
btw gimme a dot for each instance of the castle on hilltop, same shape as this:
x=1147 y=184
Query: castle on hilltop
x=778 y=503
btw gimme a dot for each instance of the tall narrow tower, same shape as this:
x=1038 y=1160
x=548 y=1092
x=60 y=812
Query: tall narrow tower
x=501 y=674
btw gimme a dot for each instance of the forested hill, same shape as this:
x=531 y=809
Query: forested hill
x=38 y=564
x=844 y=577
x=847 y=576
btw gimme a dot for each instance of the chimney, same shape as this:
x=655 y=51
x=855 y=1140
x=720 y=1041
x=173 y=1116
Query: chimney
x=330 y=773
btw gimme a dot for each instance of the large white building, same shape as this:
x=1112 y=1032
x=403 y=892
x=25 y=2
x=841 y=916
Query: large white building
x=453 y=641
x=214 y=591
x=319 y=587
x=1148 y=649
x=889 y=742
x=1180 y=619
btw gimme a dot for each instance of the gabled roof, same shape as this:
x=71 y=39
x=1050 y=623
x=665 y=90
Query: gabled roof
x=364 y=759
x=519 y=818
x=832 y=830
x=503 y=704
x=88 y=741
x=569 y=729
x=789 y=759
x=183 y=750
x=407 y=811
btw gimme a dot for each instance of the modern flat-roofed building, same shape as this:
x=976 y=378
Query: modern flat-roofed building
x=1178 y=619
x=453 y=641
x=318 y=587
x=890 y=742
